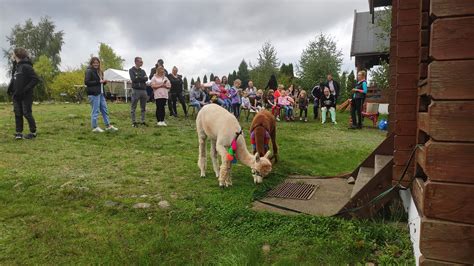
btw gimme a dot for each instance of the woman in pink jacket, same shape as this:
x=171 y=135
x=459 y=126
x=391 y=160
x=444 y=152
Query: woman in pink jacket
x=161 y=86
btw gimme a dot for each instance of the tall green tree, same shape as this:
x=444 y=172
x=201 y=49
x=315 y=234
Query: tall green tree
x=44 y=68
x=185 y=84
x=108 y=58
x=211 y=77
x=351 y=82
x=204 y=79
x=198 y=80
x=319 y=58
x=243 y=73
x=267 y=64
x=192 y=81
x=40 y=39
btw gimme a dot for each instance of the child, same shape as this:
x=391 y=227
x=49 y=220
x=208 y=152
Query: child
x=286 y=102
x=270 y=99
x=328 y=102
x=276 y=96
x=234 y=94
x=246 y=103
x=259 y=100
x=303 y=105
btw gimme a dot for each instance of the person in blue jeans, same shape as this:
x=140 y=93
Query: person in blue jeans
x=94 y=80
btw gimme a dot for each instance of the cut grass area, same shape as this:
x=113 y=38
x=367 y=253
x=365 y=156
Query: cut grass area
x=67 y=197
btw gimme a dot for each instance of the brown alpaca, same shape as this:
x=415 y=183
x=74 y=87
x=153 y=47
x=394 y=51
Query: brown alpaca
x=262 y=123
x=221 y=127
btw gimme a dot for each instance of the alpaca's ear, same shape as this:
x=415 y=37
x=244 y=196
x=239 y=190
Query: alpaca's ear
x=257 y=157
x=268 y=154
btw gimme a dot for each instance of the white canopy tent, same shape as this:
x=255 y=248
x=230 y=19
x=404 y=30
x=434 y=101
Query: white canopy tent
x=115 y=75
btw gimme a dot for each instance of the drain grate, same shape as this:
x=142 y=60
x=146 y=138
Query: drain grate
x=298 y=191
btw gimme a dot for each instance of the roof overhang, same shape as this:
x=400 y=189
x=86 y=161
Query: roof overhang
x=377 y=3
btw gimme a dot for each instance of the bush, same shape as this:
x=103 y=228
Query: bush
x=62 y=87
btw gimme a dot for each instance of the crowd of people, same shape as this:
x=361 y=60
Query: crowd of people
x=165 y=88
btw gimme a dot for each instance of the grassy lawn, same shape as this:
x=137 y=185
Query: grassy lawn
x=67 y=197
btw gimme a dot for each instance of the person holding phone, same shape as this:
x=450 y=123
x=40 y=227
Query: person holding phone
x=94 y=80
x=161 y=86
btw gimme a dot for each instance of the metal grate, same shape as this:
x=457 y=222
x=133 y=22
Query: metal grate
x=298 y=191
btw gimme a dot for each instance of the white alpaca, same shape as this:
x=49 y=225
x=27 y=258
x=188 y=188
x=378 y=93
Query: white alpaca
x=221 y=127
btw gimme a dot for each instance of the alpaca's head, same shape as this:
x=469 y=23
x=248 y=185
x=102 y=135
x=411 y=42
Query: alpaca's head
x=262 y=167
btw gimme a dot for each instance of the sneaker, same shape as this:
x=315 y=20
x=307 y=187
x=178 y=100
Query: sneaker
x=335 y=123
x=278 y=119
x=98 y=130
x=30 y=136
x=160 y=124
x=352 y=127
x=252 y=110
x=18 y=136
x=306 y=119
x=134 y=124
x=301 y=118
x=111 y=128
x=164 y=124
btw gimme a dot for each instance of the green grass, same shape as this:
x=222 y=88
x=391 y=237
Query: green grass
x=56 y=193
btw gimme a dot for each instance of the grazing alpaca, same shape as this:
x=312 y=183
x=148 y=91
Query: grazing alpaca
x=221 y=127
x=263 y=129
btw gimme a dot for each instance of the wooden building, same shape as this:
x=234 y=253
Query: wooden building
x=432 y=110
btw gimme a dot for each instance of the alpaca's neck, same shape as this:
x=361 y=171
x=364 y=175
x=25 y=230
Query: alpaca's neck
x=243 y=154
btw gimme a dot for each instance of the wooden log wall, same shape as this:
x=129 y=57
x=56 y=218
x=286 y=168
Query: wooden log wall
x=444 y=188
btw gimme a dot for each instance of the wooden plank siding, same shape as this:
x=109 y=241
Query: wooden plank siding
x=452 y=38
x=451 y=80
x=447 y=161
x=447 y=241
x=451 y=8
x=448 y=121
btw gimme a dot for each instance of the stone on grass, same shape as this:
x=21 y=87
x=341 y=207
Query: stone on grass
x=111 y=204
x=164 y=204
x=142 y=205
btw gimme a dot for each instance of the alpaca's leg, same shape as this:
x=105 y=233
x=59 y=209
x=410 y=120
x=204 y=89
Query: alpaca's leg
x=215 y=161
x=202 y=154
x=274 y=145
x=225 y=166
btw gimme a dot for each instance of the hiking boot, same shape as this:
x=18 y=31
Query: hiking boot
x=30 y=136
x=18 y=136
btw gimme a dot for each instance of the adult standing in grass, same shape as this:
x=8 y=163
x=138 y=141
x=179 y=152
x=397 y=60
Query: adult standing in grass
x=139 y=94
x=358 y=98
x=176 y=92
x=161 y=86
x=159 y=62
x=94 y=80
x=21 y=86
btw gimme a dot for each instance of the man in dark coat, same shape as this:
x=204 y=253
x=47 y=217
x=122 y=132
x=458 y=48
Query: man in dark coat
x=21 y=86
x=139 y=94
x=333 y=86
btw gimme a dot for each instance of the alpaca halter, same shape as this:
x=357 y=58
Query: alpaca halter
x=266 y=139
x=231 y=152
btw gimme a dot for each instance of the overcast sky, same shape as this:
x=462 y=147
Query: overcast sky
x=199 y=37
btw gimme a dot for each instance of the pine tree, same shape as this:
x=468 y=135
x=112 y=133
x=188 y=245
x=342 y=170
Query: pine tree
x=204 y=79
x=243 y=73
x=192 y=81
x=185 y=84
x=350 y=82
x=199 y=80
x=211 y=77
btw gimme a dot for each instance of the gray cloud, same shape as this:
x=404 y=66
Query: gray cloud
x=197 y=36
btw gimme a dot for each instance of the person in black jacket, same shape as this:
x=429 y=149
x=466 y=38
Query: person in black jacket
x=176 y=92
x=272 y=83
x=139 y=79
x=333 y=86
x=316 y=92
x=21 y=87
x=94 y=80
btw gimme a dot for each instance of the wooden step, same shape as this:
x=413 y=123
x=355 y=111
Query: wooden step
x=381 y=161
x=363 y=177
